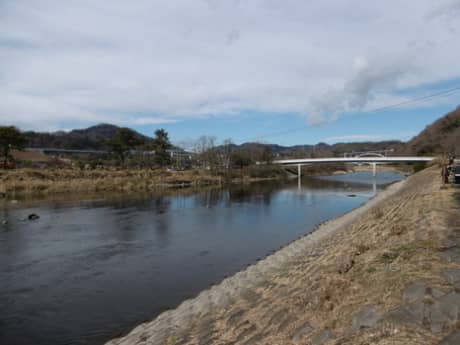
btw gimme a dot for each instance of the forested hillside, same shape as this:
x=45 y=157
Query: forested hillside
x=441 y=137
x=93 y=138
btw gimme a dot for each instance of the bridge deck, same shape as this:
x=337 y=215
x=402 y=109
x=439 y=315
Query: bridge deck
x=353 y=160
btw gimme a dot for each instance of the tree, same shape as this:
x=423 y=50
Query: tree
x=266 y=155
x=10 y=138
x=161 y=144
x=226 y=154
x=205 y=148
x=241 y=158
x=124 y=140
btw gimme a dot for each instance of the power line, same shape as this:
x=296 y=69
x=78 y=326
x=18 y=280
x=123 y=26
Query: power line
x=391 y=106
x=414 y=100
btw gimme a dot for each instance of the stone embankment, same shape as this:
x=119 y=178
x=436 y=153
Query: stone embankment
x=386 y=273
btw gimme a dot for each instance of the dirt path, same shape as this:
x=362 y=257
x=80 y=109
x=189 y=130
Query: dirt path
x=387 y=273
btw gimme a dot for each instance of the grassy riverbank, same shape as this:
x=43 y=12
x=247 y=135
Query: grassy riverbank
x=29 y=181
x=386 y=273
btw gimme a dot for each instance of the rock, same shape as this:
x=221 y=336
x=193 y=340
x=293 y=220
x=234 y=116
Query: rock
x=278 y=317
x=414 y=292
x=436 y=293
x=321 y=338
x=367 y=317
x=235 y=317
x=457 y=286
x=445 y=309
x=451 y=275
x=404 y=316
x=289 y=320
x=4 y=222
x=433 y=313
x=33 y=216
x=452 y=339
x=451 y=254
x=302 y=331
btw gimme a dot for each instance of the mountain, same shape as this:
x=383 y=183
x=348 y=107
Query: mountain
x=441 y=137
x=92 y=138
x=95 y=138
x=323 y=149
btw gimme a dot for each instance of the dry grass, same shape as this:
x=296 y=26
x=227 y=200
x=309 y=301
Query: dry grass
x=33 y=181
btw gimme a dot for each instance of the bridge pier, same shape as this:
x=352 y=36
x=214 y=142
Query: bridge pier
x=374 y=169
x=299 y=176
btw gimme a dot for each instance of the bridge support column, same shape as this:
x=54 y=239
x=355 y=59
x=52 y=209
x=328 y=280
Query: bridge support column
x=299 y=176
x=374 y=169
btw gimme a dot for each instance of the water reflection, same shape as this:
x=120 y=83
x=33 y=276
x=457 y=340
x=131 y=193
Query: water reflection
x=123 y=259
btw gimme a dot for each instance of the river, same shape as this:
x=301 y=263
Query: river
x=91 y=269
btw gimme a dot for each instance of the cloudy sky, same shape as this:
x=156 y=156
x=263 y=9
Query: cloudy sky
x=281 y=71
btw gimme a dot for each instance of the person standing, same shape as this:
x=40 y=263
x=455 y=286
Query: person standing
x=445 y=174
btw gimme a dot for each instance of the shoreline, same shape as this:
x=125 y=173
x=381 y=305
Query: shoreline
x=221 y=294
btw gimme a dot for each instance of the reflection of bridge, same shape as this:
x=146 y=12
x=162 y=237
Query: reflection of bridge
x=373 y=159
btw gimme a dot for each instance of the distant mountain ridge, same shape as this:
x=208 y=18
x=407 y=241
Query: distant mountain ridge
x=96 y=137
x=442 y=136
x=323 y=149
x=91 y=138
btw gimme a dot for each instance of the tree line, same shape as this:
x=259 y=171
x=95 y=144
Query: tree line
x=127 y=147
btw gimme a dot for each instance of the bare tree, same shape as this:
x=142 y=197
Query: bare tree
x=226 y=154
x=205 y=148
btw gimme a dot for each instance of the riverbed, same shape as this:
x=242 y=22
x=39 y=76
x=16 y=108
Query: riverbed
x=91 y=269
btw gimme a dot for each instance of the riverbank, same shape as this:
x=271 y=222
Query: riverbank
x=385 y=273
x=35 y=182
x=32 y=181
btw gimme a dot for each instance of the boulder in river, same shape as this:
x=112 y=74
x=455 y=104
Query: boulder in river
x=33 y=216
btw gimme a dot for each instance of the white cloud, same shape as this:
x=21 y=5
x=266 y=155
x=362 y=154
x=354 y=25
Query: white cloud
x=67 y=63
x=447 y=8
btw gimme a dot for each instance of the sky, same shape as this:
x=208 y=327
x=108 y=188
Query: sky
x=276 y=71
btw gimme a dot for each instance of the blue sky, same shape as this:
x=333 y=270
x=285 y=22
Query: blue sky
x=237 y=69
x=398 y=123
x=291 y=129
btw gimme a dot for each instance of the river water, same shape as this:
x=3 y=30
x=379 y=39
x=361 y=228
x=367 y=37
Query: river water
x=88 y=270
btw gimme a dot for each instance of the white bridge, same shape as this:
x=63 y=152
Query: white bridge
x=365 y=158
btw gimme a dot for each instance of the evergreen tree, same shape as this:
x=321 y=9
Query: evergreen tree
x=161 y=144
x=10 y=138
x=123 y=141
